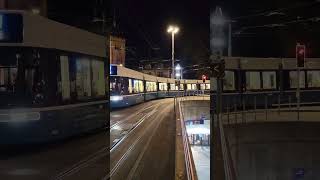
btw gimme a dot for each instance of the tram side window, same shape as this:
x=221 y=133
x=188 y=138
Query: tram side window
x=151 y=86
x=98 y=82
x=208 y=86
x=163 y=86
x=189 y=87
x=194 y=86
x=64 y=84
x=172 y=87
x=253 y=80
x=228 y=81
x=313 y=78
x=202 y=86
x=269 y=80
x=83 y=78
x=294 y=79
x=181 y=87
x=130 y=88
x=137 y=86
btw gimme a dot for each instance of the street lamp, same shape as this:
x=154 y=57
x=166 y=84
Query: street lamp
x=173 y=30
x=178 y=71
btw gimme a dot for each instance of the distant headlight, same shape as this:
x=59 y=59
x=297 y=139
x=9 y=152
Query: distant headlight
x=116 y=98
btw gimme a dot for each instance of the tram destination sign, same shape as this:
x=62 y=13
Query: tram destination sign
x=11 y=28
x=113 y=70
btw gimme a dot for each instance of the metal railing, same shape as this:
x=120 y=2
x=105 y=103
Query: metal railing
x=189 y=162
x=229 y=169
x=280 y=109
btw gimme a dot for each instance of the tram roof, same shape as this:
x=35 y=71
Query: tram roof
x=126 y=72
x=42 y=32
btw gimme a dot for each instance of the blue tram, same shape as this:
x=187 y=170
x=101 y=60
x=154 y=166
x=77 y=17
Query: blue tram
x=129 y=87
x=52 y=79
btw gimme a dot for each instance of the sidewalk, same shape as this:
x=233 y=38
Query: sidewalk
x=201 y=157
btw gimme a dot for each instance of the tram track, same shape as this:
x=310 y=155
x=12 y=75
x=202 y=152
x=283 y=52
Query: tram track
x=129 y=158
x=82 y=164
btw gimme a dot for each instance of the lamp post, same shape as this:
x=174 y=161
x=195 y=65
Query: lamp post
x=178 y=72
x=173 y=30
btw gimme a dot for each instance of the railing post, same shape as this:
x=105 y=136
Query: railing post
x=255 y=108
x=235 y=112
x=243 y=109
x=289 y=102
x=266 y=106
x=228 y=113
x=279 y=101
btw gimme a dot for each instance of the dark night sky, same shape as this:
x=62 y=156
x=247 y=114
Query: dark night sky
x=143 y=23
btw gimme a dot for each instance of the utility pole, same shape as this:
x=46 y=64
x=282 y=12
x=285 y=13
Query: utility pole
x=173 y=30
x=230 y=40
x=217 y=44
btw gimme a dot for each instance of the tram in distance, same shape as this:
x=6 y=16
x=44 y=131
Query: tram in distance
x=129 y=87
x=52 y=81
x=266 y=82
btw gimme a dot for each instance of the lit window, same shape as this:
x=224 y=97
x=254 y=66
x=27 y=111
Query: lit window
x=313 y=78
x=98 y=81
x=294 y=79
x=253 y=80
x=228 y=81
x=83 y=78
x=269 y=80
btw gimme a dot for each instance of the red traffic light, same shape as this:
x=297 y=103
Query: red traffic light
x=204 y=78
x=300 y=55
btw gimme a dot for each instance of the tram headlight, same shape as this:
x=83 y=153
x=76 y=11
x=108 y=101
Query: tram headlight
x=116 y=98
x=20 y=116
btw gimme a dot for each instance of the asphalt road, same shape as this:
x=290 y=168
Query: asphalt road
x=78 y=158
x=142 y=138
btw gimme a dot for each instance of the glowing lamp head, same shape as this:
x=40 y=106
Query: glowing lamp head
x=178 y=67
x=173 y=29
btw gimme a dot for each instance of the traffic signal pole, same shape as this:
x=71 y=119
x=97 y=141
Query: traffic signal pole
x=298 y=94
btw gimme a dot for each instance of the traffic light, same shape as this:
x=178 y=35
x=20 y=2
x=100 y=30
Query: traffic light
x=300 y=55
x=204 y=78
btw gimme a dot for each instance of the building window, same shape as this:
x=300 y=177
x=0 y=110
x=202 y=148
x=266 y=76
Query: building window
x=269 y=80
x=228 y=81
x=313 y=78
x=253 y=80
x=294 y=79
x=83 y=78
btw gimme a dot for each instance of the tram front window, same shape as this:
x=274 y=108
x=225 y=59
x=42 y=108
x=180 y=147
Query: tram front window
x=22 y=81
x=8 y=76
